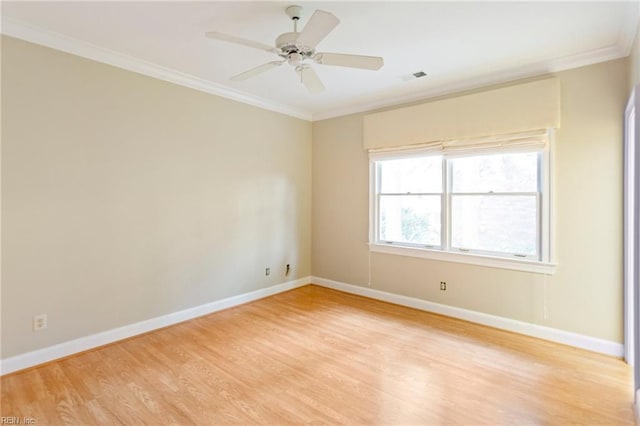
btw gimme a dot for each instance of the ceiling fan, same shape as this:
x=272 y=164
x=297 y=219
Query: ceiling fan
x=298 y=49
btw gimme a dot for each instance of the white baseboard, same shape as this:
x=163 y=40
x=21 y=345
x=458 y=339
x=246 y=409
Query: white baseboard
x=40 y=356
x=547 y=333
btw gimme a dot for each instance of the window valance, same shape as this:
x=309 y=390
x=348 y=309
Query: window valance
x=462 y=121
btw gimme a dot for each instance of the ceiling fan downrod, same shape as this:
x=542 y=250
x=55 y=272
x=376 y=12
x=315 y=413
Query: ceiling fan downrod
x=294 y=12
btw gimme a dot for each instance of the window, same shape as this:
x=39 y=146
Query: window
x=485 y=208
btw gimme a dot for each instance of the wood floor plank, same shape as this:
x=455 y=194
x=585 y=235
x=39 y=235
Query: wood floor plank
x=318 y=356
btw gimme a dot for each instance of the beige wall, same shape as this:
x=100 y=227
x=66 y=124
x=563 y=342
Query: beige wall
x=125 y=197
x=585 y=294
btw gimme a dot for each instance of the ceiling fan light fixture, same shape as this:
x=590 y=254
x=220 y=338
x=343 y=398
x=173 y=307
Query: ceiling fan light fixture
x=295 y=59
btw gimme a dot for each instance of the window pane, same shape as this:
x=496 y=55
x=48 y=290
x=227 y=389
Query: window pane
x=505 y=223
x=410 y=219
x=497 y=173
x=416 y=175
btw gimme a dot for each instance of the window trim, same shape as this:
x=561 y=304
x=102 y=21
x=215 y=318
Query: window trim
x=546 y=268
x=545 y=265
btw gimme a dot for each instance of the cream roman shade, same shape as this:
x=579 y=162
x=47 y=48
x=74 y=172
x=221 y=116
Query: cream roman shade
x=519 y=114
x=526 y=141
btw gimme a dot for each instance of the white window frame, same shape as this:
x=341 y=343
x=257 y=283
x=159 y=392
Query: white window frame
x=543 y=265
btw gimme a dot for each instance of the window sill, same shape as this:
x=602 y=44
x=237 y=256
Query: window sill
x=472 y=259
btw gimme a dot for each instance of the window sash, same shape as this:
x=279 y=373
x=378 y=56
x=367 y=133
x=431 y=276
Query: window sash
x=535 y=256
x=378 y=230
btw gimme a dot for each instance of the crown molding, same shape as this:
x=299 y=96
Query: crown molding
x=622 y=48
x=24 y=31
x=591 y=57
x=74 y=46
x=629 y=30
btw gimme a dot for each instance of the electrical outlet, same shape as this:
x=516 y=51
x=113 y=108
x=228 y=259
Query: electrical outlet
x=443 y=286
x=40 y=322
x=288 y=269
x=267 y=271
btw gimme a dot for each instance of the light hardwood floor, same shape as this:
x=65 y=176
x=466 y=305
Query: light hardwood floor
x=314 y=355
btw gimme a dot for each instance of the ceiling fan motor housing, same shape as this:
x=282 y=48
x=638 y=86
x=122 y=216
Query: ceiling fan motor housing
x=286 y=43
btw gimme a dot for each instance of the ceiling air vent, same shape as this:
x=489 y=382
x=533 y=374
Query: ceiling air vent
x=414 y=75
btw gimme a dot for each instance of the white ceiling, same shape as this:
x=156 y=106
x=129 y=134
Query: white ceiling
x=459 y=45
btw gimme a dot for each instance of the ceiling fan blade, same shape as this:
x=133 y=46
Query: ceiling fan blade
x=320 y=24
x=238 y=40
x=351 y=61
x=257 y=70
x=310 y=79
